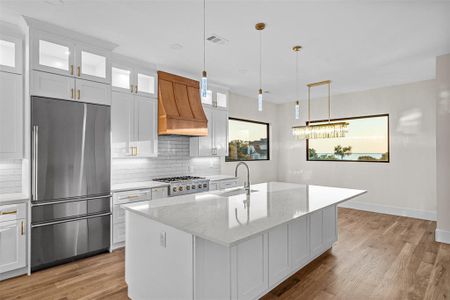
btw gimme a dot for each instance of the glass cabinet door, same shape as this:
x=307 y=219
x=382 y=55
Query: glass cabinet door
x=121 y=79
x=10 y=54
x=92 y=64
x=221 y=100
x=52 y=54
x=145 y=83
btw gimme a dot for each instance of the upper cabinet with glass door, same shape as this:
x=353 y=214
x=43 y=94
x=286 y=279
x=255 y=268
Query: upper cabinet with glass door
x=65 y=52
x=10 y=53
x=128 y=75
x=217 y=97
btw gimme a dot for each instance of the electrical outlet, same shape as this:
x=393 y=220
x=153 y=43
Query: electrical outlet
x=162 y=239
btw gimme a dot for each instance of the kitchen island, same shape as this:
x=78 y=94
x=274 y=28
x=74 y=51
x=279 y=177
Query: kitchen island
x=227 y=244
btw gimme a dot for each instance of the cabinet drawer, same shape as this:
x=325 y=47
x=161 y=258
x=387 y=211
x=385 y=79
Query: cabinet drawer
x=228 y=184
x=13 y=212
x=125 y=197
x=118 y=214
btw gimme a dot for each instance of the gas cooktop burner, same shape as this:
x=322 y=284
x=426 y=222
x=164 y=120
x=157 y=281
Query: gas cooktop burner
x=185 y=184
x=178 y=178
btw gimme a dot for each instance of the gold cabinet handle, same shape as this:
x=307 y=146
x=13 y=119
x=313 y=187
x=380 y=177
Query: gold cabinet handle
x=136 y=88
x=78 y=94
x=72 y=93
x=134 y=151
x=12 y=212
x=131 y=87
x=71 y=69
x=78 y=71
x=22 y=230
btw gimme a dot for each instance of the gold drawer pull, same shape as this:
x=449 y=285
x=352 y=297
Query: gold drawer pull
x=12 y=212
x=78 y=71
x=71 y=69
x=136 y=89
x=21 y=228
x=133 y=196
x=78 y=94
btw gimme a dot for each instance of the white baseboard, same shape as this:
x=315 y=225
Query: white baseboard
x=442 y=236
x=391 y=210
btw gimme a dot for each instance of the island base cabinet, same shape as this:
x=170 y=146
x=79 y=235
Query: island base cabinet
x=202 y=269
x=158 y=260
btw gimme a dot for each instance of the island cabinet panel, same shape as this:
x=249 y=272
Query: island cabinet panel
x=278 y=253
x=329 y=225
x=299 y=242
x=249 y=268
x=316 y=238
x=212 y=270
x=158 y=260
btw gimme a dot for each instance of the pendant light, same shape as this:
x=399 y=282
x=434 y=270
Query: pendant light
x=320 y=131
x=296 y=49
x=204 y=81
x=260 y=27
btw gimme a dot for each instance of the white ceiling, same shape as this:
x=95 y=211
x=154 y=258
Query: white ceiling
x=358 y=45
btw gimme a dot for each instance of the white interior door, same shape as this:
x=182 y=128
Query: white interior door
x=11 y=115
x=12 y=245
x=146 y=121
x=121 y=123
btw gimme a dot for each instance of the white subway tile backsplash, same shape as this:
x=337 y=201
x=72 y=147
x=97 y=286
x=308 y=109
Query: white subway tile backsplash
x=10 y=176
x=173 y=160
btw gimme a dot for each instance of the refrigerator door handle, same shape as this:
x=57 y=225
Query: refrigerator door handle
x=69 y=200
x=35 y=161
x=70 y=220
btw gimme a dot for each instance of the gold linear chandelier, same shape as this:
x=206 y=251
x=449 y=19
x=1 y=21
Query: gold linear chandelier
x=324 y=130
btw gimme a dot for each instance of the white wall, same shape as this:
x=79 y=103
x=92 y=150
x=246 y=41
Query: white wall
x=246 y=108
x=406 y=185
x=443 y=148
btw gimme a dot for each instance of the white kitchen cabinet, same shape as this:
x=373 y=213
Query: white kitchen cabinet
x=93 y=92
x=11 y=55
x=329 y=225
x=249 y=269
x=278 y=253
x=12 y=237
x=52 y=53
x=216 y=142
x=298 y=242
x=51 y=85
x=146 y=133
x=58 y=54
x=216 y=96
x=62 y=87
x=129 y=76
x=120 y=198
x=122 y=112
x=134 y=125
x=316 y=238
x=11 y=115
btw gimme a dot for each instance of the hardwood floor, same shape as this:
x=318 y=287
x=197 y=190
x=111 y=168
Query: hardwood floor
x=377 y=257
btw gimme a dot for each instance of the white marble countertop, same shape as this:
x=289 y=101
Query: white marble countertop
x=224 y=219
x=13 y=198
x=219 y=177
x=121 y=187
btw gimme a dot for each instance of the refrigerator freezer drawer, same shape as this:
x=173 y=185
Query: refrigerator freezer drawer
x=58 y=242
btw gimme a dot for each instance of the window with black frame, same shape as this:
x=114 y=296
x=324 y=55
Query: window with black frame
x=366 y=140
x=247 y=140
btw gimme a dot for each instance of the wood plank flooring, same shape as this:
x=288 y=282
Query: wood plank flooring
x=377 y=257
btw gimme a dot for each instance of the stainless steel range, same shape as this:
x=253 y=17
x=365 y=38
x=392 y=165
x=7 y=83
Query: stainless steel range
x=185 y=184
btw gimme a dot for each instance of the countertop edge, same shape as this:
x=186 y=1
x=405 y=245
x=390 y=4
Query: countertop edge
x=233 y=243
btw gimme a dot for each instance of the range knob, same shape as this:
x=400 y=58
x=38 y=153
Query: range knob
x=205 y=185
x=193 y=186
x=174 y=189
x=199 y=186
x=180 y=188
x=188 y=187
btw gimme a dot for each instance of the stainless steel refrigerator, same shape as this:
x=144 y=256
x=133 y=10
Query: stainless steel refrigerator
x=71 y=203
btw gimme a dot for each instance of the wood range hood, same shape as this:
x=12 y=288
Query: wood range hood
x=180 y=110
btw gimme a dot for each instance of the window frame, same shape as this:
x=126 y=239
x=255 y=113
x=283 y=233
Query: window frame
x=268 y=139
x=354 y=118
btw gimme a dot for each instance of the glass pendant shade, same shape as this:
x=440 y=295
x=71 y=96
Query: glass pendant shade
x=260 y=101
x=297 y=110
x=204 y=86
x=320 y=131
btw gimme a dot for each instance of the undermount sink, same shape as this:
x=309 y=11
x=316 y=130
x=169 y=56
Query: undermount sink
x=235 y=192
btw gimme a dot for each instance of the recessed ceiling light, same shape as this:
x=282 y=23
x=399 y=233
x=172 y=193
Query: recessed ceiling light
x=216 y=39
x=266 y=92
x=243 y=71
x=176 y=46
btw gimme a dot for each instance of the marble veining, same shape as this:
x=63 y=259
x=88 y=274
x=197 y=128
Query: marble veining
x=230 y=216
